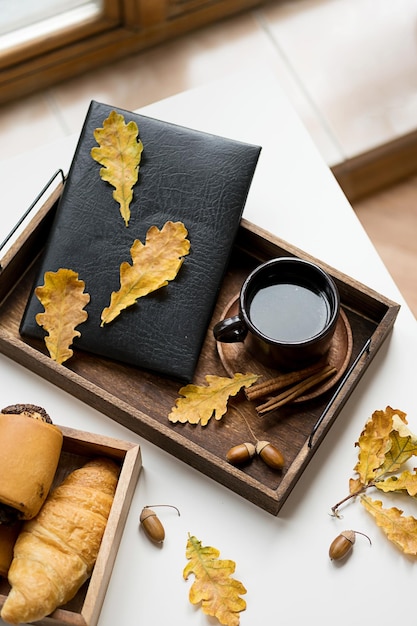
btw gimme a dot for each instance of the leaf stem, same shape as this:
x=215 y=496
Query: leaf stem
x=335 y=508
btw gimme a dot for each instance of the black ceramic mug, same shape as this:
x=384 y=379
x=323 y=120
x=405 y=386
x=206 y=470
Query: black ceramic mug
x=288 y=311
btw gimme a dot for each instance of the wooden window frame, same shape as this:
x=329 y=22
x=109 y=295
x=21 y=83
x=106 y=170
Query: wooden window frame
x=125 y=27
x=36 y=47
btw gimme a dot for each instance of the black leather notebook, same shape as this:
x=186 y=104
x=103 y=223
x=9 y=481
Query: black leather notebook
x=187 y=176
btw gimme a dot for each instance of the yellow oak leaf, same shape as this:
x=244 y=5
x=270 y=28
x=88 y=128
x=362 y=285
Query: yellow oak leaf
x=200 y=402
x=154 y=264
x=63 y=300
x=119 y=153
x=385 y=445
x=402 y=531
x=406 y=481
x=403 y=445
x=374 y=444
x=355 y=486
x=214 y=587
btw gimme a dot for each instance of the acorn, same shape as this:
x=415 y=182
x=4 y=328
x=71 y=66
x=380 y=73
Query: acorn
x=343 y=544
x=241 y=454
x=151 y=523
x=270 y=455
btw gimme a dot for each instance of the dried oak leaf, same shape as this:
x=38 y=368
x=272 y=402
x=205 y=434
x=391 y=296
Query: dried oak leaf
x=119 y=153
x=375 y=443
x=214 y=587
x=155 y=263
x=406 y=481
x=403 y=445
x=402 y=531
x=385 y=445
x=200 y=402
x=63 y=300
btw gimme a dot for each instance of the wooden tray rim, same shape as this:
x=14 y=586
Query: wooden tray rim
x=168 y=439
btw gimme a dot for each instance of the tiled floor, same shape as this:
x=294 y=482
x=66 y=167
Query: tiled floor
x=349 y=67
x=390 y=218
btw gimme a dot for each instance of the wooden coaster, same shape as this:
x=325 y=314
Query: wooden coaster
x=235 y=358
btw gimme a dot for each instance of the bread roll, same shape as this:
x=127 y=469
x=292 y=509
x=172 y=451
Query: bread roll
x=56 y=552
x=29 y=453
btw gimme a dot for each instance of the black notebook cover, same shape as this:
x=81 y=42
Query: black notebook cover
x=185 y=176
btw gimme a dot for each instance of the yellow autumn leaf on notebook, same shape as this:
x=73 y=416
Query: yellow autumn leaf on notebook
x=201 y=402
x=63 y=298
x=154 y=264
x=214 y=587
x=119 y=153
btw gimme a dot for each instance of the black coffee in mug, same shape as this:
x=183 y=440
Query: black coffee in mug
x=288 y=311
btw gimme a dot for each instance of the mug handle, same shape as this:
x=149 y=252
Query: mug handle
x=230 y=330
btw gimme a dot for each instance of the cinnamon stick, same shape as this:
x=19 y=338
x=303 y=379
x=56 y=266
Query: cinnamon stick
x=296 y=391
x=271 y=385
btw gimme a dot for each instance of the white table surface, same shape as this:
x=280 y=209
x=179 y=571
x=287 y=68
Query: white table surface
x=283 y=561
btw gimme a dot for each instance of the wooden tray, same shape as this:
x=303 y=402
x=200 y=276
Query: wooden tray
x=78 y=447
x=142 y=401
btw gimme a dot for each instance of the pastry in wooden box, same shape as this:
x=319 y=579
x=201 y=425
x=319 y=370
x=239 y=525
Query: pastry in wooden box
x=30 y=447
x=56 y=551
x=8 y=536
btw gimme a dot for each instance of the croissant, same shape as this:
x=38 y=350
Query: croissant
x=56 y=551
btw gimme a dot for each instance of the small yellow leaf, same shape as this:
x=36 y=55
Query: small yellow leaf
x=406 y=481
x=213 y=587
x=402 y=531
x=403 y=447
x=374 y=443
x=154 y=264
x=200 y=403
x=119 y=153
x=63 y=300
x=355 y=486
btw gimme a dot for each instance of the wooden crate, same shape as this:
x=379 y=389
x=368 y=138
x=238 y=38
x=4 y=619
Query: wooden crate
x=79 y=447
x=142 y=400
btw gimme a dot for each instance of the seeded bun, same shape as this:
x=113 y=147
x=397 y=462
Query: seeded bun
x=30 y=410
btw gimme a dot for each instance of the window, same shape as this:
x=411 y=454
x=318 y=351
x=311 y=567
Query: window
x=45 y=41
x=25 y=18
x=28 y=30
